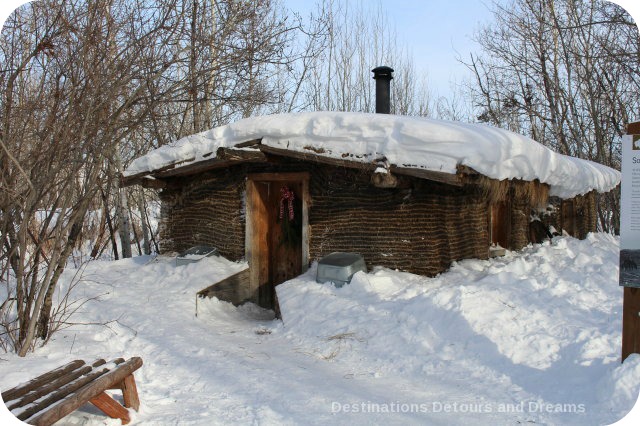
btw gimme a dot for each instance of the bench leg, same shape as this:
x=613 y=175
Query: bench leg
x=130 y=392
x=111 y=407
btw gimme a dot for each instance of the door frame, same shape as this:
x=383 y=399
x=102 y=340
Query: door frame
x=256 y=246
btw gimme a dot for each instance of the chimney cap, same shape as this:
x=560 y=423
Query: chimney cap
x=383 y=72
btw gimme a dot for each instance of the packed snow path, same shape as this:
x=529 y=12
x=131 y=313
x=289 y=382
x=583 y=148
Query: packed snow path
x=533 y=337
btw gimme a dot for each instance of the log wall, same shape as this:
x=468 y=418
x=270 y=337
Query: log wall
x=586 y=214
x=420 y=228
x=576 y=216
x=206 y=209
x=520 y=218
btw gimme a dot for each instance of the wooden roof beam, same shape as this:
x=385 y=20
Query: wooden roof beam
x=447 y=178
x=225 y=157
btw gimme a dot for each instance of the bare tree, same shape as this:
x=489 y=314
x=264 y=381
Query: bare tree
x=564 y=72
x=357 y=40
x=72 y=76
x=87 y=85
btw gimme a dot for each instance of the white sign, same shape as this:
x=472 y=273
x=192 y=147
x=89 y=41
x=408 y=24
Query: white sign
x=630 y=212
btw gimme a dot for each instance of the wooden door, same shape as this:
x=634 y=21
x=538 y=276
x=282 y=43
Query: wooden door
x=277 y=246
x=568 y=217
x=501 y=224
x=285 y=243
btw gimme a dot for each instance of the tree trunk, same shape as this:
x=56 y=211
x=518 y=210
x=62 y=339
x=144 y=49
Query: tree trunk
x=144 y=223
x=112 y=235
x=45 y=312
x=101 y=230
x=135 y=233
x=124 y=224
x=124 y=228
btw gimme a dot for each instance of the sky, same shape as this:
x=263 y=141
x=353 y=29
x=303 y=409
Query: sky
x=437 y=33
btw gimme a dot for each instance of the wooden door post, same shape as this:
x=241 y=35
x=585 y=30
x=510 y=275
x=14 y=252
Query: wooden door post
x=630 y=322
x=631 y=301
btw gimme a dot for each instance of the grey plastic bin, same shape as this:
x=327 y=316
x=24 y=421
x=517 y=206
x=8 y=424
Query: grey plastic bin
x=339 y=267
x=195 y=254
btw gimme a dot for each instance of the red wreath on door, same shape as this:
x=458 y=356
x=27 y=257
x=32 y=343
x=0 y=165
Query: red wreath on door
x=287 y=195
x=291 y=232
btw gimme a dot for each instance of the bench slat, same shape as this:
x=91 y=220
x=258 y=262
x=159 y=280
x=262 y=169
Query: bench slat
x=79 y=396
x=46 y=389
x=58 y=383
x=61 y=393
x=25 y=388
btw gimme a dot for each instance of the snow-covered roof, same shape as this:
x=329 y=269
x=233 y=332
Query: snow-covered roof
x=405 y=142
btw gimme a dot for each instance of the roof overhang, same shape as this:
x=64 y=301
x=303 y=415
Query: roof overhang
x=255 y=152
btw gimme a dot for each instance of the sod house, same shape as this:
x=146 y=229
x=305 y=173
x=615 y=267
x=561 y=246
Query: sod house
x=407 y=193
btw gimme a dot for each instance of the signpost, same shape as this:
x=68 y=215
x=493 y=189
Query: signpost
x=630 y=240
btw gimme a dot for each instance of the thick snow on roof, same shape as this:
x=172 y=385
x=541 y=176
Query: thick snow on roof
x=404 y=141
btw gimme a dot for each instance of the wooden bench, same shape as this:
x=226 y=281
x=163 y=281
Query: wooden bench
x=53 y=395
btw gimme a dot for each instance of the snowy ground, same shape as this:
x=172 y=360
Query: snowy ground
x=532 y=337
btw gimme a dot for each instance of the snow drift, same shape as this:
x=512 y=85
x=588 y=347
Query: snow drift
x=531 y=337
